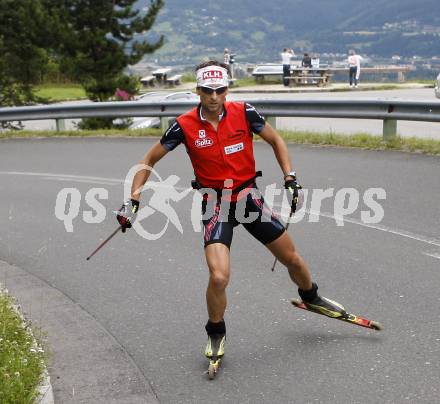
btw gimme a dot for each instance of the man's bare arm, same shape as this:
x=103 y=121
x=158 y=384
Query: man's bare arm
x=149 y=160
x=271 y=136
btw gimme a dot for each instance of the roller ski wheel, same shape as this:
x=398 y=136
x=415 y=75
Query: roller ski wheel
x=213 y=368
x=375 y=325
x=344 y=316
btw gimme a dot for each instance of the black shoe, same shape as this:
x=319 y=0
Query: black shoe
x=326 y=306
x=321 y=304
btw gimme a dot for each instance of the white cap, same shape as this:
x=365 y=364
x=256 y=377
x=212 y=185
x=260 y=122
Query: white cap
x=212 y=77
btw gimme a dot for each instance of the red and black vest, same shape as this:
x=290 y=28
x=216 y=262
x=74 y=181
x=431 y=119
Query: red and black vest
x=223 y=154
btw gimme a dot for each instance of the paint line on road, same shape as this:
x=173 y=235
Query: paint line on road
x=387 y=229
x=380 y=227
x=65 y=177
x=433 y=255
x=105 y=180
x=86 y=181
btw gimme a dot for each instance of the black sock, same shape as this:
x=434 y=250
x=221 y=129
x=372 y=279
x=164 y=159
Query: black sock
x=309 y=295
x=215 y=328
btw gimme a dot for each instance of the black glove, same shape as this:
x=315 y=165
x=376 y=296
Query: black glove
x=126 y=215
x=292 y=185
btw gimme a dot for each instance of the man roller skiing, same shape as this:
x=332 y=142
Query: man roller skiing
x=218 y=136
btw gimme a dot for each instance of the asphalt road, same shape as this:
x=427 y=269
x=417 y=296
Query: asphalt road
x=150 y=295
x=343 y=126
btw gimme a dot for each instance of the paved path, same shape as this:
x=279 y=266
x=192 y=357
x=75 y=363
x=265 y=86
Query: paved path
x=148 y=296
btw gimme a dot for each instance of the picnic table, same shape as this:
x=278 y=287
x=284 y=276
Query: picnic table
x=298 y=75
x=319 y=76
x=161 y=74
x=148 y=81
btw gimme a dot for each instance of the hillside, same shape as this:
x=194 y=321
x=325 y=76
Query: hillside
x=257 y=29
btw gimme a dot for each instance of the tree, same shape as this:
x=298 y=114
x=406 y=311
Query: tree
x=100 y=38
x=23 y=53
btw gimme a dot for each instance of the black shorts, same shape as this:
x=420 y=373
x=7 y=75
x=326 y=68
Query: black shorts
x=251 y=211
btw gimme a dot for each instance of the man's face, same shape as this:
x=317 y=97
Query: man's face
x=212 y=100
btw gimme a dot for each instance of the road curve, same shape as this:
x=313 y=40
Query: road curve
x=149 y=295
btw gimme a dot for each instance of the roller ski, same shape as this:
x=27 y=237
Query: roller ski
x=215 y=349
x=311 y=301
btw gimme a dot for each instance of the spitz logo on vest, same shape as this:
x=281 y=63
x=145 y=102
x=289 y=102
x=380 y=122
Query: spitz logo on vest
x=204 y=142
x=202 y=134
x=212 y=74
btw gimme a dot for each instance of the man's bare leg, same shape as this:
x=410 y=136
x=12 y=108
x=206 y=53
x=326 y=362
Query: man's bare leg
x=284 y=250
x=217 y=258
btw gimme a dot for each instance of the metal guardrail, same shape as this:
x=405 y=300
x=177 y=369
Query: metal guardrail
x=387 y=111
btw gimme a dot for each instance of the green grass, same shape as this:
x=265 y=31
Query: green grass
x=361 y=140
x=189 y=77
x=21 y=361
x=366 y=87
x=364 y=141
x=60 y=92
x=244 y=82
x=431 y=83
x=250 y=81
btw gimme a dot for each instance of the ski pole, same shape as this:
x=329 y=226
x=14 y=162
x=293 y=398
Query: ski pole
x=292 y=212
x=104 y=243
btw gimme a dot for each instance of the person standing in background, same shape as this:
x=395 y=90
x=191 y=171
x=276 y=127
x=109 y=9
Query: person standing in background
x=226 y=57
x=286 y=55
x=354 y=64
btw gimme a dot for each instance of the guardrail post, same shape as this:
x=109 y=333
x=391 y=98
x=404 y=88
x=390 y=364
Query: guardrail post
x=272 y=120
x=164 y=123
x=61 y=125
x=389 y=129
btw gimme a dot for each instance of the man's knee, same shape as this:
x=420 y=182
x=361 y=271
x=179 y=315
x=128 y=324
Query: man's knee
x=219 y=280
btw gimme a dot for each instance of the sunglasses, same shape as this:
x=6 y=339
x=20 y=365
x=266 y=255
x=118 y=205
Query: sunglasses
x=209 y=91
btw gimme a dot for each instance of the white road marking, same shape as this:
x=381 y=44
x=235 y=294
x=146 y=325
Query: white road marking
x=433 y=255
x=87 y=181
x=105 y=180
x=387 y=229
x=380 y=227
x=64 y=176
